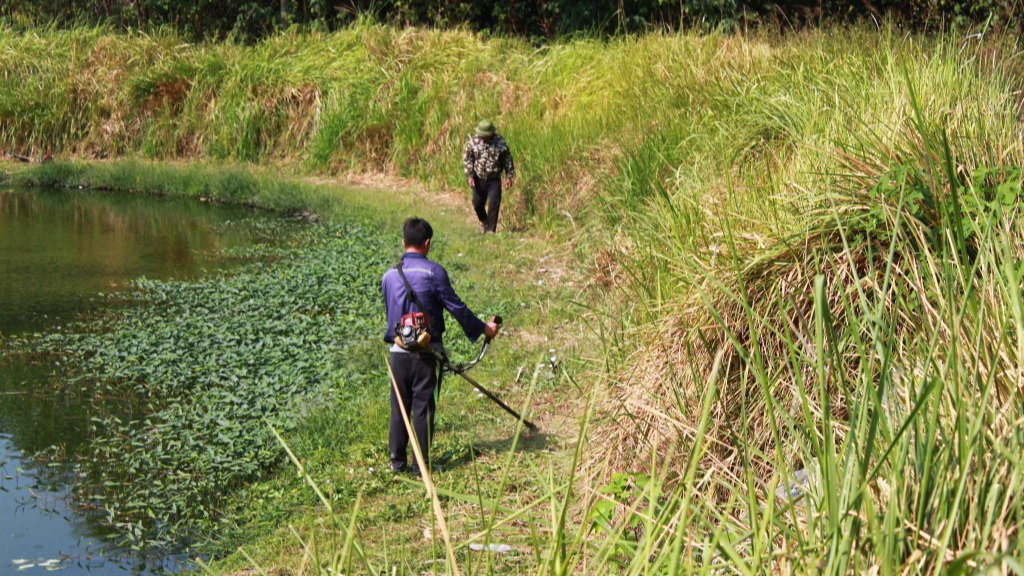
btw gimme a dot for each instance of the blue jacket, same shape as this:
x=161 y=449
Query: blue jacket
x=430 y=282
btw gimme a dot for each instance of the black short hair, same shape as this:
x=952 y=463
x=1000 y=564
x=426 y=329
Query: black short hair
x=416 y=232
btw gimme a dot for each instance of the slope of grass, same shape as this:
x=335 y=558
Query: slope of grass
x=620 y=116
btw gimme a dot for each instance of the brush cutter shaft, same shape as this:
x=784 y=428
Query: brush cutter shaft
x=497 y=400
x=461 y=369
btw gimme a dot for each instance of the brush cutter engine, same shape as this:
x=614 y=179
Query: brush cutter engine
x=411 y=332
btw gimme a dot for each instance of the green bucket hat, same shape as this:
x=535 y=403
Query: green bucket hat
x=485 y=128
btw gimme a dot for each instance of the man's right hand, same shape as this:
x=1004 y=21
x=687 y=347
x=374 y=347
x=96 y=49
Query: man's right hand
x=491 y=329
x=470 y=180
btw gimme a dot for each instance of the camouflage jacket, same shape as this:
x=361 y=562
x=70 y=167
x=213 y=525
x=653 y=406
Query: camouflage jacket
x=486 y=160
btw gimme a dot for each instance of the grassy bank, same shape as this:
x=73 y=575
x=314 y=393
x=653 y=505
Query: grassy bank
x=812 y=363
x=219 y=183
x=593 y=122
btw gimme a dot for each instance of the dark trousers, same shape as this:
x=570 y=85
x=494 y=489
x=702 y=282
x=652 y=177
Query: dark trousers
x=417 y=378
x=487 y=192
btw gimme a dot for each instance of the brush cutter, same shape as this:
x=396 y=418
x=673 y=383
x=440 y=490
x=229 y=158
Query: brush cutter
x=464 y=367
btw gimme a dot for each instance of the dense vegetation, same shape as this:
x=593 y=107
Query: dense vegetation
x=619 y=116
x=253 y=19
x=812 y=244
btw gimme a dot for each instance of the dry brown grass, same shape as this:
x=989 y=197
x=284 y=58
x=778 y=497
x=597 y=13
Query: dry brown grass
x=755 y=303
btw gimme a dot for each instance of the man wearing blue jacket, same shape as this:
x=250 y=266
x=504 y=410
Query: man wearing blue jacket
x=416 y=373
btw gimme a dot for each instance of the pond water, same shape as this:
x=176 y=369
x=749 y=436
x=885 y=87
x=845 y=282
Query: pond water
x=59 y=250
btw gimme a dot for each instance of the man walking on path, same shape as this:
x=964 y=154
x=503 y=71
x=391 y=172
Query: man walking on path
x=486 y=157
x=416 y=373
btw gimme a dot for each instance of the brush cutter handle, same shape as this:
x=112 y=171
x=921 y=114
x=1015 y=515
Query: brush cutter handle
x=497 y=320
x=483 y=350
x=486 y=340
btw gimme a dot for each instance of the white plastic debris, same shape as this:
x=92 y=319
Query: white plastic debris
x=802 y=482
x=499 y=548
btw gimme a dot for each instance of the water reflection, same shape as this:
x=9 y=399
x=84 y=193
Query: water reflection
x=60 y=248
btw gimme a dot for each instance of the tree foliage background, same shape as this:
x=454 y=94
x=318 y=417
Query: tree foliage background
x=247 y=20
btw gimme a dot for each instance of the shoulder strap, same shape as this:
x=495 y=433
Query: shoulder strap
x=411 y=294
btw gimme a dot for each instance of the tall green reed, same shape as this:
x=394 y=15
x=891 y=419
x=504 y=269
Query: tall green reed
x=873 y=347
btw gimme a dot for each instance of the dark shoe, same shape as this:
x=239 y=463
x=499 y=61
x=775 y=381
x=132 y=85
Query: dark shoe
x=433 y=470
